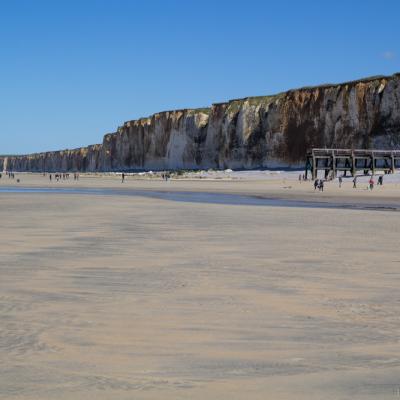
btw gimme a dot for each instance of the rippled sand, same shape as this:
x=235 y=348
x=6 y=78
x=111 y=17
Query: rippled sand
x=117 y=297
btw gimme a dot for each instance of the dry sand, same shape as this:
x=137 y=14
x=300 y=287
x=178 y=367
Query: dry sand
x=130 y=297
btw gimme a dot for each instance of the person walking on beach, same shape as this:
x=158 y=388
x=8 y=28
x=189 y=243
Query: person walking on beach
x=50 y=177
x=340 y=181
x=321 y=185
x=123 y=178
x=355 y=183
x=371 y=183
x=316 y=184
x=380 y=180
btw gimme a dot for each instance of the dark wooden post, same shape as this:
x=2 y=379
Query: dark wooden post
x=393 y=164
x=314 y=166
x=306 y=169
x=353 y=164
x=373 y=162
x=333 y=164
x=308 y=166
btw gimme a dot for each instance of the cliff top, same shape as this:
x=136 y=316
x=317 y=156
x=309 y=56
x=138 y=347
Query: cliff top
x=268 y=98
x=321 y=86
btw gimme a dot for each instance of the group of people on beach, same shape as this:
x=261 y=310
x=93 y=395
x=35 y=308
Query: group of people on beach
x=371 y=182
x=302 y=177
x=319 y=183
x=59 y=177
x=62 y=176
x=10 y=175
x=165 y=176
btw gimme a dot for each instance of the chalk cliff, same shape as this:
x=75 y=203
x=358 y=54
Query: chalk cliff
x=270 y=131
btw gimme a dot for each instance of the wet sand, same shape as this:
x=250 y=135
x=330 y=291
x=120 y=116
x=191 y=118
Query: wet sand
x=283 y=186
x=121 y=297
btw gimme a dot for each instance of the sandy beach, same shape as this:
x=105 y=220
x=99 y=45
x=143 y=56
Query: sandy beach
x=115 y=296
x=262 y=184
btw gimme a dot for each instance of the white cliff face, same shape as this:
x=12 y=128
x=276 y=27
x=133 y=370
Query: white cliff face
x=271 y=131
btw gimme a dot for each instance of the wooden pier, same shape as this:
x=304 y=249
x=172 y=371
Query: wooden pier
x=332 y=161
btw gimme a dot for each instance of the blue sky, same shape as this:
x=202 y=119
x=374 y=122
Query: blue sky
x=71 y=71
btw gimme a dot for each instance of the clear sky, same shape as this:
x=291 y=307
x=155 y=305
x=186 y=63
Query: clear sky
x=71 y=71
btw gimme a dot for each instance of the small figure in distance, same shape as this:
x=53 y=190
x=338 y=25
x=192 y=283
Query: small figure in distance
x=300 y=178
x=321 y=185
x=355 y=182
x=380 y=180
x=123 y=178
x=316 y=184
x=340 y=181
x=371 y=183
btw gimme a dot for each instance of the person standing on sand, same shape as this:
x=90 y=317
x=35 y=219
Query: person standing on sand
x=123 y=178
x=340 y=181
x=380 y=180
x=316 y=184
x=355 y=183
x=371 y=183
x=321 y=185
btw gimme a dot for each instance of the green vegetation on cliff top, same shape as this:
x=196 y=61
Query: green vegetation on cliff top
x=233 y=106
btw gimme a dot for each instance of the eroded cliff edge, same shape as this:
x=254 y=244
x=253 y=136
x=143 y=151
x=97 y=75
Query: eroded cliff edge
x=270 y=131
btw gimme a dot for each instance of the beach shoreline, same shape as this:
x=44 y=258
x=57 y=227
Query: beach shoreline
x=272 y=185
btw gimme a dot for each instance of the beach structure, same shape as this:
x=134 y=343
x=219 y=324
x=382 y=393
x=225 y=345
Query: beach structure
x=332 y=161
